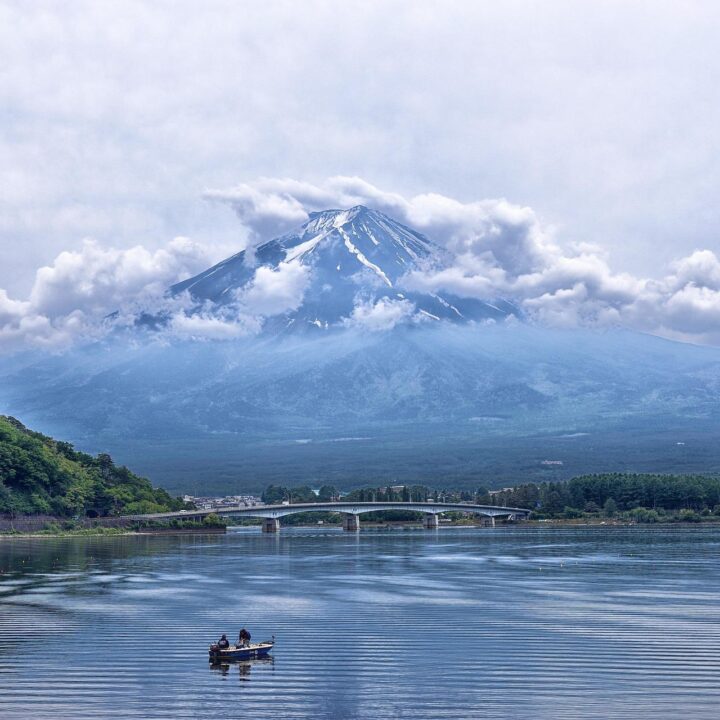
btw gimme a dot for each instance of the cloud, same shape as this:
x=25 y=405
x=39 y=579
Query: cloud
x=99 y=280
x=11 y=310
x=384 y=314
x=270 y=292
x=71 y=297
x=495 y=248
x=270 y=207
x=22 y=327
x=209 y=326
x=489 y=249
x=117 y=115
x=701 y=269
x=276 y=291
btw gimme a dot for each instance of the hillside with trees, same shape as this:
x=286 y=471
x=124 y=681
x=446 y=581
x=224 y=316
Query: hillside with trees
x=40 y=475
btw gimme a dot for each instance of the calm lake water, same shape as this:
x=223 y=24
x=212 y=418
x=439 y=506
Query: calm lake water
x=455 y=623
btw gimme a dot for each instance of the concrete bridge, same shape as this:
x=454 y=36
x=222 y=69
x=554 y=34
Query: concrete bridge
x=351 y=512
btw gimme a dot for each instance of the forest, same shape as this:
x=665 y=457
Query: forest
x=40 y=475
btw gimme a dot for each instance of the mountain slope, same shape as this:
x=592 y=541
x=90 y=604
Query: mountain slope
x=454 y=403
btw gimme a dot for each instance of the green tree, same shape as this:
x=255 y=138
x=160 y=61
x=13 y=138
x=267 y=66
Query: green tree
x=610 y=508
x=327 y=493
x=275 y=494
x=688 y=515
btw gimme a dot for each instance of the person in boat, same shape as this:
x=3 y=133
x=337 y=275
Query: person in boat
x=223 y=642
x=244 y=638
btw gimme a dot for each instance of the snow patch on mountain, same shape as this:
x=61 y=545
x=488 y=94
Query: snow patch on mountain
x=349 y=245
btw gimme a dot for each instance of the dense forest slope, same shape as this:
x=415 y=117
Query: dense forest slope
x=42 y=475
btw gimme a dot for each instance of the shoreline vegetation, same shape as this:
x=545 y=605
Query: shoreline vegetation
x=43 y=476
x=54 y=527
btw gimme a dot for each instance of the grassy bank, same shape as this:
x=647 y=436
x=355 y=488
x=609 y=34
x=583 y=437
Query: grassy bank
x=59 y=527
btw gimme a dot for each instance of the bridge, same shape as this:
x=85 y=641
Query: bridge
x=350 y=511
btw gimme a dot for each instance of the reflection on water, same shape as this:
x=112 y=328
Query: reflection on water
x=242 y=668
x=456 y=623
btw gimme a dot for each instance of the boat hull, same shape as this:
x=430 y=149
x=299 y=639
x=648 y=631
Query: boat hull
x=216 y=655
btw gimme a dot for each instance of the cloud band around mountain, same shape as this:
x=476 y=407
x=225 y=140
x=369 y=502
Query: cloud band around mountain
x=494 y=249
x=499 y=249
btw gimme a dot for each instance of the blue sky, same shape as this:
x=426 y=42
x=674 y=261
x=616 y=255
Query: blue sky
x=602 y=118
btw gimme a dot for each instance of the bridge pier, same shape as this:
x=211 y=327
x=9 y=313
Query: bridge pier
x=489 y=521
x=431 y=521
x=351 y=522
x=271 y=525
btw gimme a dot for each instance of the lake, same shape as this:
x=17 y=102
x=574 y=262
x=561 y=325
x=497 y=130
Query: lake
x=457 y=623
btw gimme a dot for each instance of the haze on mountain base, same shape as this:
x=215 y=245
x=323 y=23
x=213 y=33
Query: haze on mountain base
x=350 y=375
x=455 y=405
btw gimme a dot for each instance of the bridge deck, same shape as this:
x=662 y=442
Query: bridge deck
x=350 y=508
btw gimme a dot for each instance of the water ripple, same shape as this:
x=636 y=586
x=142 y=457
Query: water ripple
x=541 y=623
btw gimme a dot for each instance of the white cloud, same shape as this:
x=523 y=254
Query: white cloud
x=491 y=248
x=498 y=249
x=22 y=326
x=70 y=298
x=208 y=326
x=702 y=269
x=265 y=208
x=276 y=291
x=11 y=310
x=99 y=280
x=117 y=115
x=384 y=314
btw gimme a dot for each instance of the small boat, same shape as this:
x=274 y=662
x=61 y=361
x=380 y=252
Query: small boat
x=240 y=652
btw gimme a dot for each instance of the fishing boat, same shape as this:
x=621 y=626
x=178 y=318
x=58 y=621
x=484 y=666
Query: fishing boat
x=240 y=652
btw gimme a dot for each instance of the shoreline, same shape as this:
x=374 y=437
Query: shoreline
x=116 y=532
x=405 y=525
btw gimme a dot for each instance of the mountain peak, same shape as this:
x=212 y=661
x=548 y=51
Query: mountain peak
x=348 y=213
x=337 y=218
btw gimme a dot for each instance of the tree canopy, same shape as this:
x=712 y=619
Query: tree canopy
x=40 y=475
x=615 y=492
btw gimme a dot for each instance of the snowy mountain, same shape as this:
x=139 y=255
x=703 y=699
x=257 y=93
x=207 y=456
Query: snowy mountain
x=352 y=256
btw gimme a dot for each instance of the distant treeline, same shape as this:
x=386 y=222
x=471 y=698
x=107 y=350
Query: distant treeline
x=646 y=496
x=640 y=497
x=40 y=475
x=327 y=493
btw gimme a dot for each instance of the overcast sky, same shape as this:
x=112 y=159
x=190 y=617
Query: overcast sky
x=603 y=117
